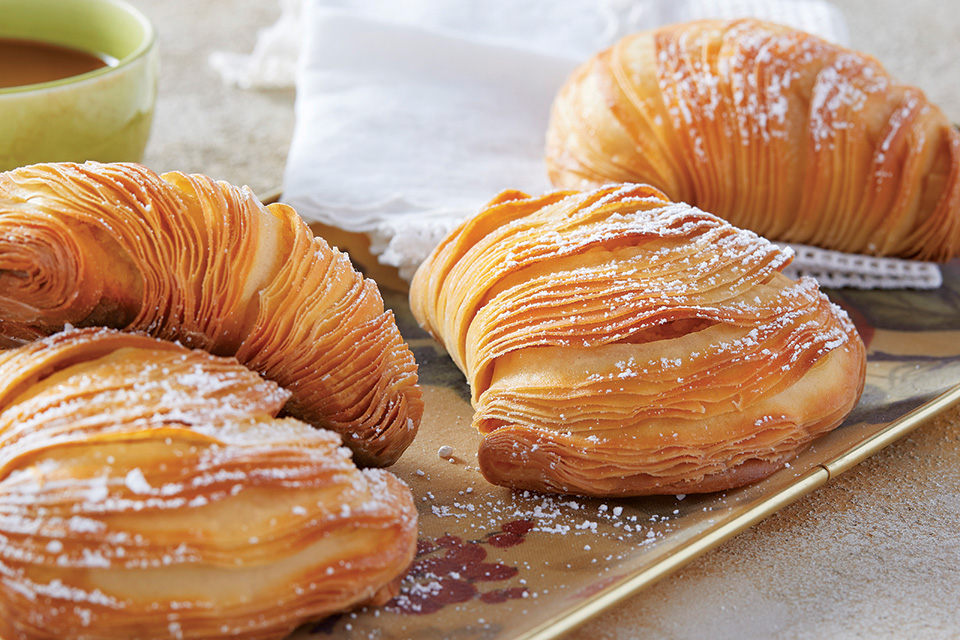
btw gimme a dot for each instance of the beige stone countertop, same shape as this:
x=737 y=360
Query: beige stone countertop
x=875 y=553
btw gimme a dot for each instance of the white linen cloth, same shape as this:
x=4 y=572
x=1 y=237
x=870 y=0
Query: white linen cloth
x=411 y=114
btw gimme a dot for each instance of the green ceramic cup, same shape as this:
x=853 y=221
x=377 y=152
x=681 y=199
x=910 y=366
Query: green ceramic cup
x=102 y=115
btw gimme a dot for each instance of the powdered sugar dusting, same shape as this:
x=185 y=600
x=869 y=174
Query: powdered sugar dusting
x=769 y=127
x=137 y=483
x=840 y=93
x=103 y=445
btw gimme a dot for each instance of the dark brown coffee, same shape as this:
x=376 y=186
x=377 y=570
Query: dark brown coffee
x=24 y=62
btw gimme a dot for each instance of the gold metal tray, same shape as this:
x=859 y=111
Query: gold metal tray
x=496 y=564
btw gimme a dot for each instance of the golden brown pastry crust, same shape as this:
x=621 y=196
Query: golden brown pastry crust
x=186 y=258
x=620 y=344
x=147 y=490
x=773 y=129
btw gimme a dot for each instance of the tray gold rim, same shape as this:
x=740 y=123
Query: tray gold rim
x=802 y=486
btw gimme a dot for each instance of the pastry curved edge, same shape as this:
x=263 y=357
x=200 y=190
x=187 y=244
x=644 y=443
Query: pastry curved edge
x=617 y=343
x=191 y=259
x=771 y=128
x=517 y=456
x=192 y=512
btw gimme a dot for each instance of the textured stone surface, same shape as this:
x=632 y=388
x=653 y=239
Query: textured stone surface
x=201 y=124
x=873 y=554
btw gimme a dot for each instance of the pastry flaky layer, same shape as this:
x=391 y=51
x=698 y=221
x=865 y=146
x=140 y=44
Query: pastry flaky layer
x=619 y=344
x=148 y=490
x=186 y=258
x=773 y=129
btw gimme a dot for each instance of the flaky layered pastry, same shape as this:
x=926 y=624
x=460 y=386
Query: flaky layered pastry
x=773 y=129
x=619 y=344
x=186 y=258
x=148 y=490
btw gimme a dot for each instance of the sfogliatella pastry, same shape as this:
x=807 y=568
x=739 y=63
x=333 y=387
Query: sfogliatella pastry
x=773 y=129
x=149 y=491
x=620 y=344
x=186 y=258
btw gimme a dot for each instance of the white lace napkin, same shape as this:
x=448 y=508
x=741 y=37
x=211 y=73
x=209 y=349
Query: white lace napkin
x=835 y=269
x=411 y=114
x=275 y=57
